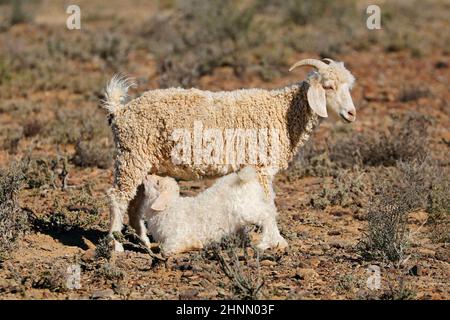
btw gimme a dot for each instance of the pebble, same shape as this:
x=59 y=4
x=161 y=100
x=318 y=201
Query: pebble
x=306 y=274
x=88 y=256
x=316 y=252
x=268 y=263
x=158 y=292
x=443 y=254
x=415 y=270
x=185 y=266
x=188 y=273
x=102 y=294
x=338 y=244
x=334 y=233
x=426 y=252
x=188 y=294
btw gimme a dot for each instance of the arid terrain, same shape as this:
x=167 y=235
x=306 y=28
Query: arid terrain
x=360 y=198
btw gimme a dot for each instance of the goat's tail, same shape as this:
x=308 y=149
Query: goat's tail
x=116 y=93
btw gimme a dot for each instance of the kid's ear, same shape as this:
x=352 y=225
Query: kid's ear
x=317 y=98
x=160 y=204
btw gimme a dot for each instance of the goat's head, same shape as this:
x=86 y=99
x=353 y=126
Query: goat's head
x=329 y=85
x=159 y=191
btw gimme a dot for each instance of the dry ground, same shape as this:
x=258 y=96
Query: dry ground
x=51 y=81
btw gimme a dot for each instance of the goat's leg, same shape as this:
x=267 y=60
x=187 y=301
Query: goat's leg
x=136 y=212
x=271 y=236
x=118 y=204
x=129 y=174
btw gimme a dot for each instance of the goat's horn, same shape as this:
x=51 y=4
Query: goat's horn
x=309 y=62
x=328 y=60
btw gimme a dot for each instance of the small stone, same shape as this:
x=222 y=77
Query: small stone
x=313 y=262
x=102 y=294
x=370 y=95
x=158 y=292
x=268 y=263
x=338 y=213
x=426 y=252
x=188 y=294
x=441 y=65
x=443 y=254
x=338 y=244
x=221 y=292
x=185 y=266
x=88 y=256
x=415 y=270
x=188 y=273
x=334 y=233
x=197 y=269
x=316 y=252
x=306 y=274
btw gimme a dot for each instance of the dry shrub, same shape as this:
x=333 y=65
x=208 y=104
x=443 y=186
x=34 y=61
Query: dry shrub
x=406 y=139
x=312 y=160
x=94 y=146
x=89 y=132
x=53 y=279
x=112 y=48
x=244 y=276
x=103 y=250
x=110 y=272
x=438 y=200
x=329 y=28
x=46 y=173
x=31 y=128
x=305 y=12
x=12 y=140
x=413 y=93
x=15 y=13
x=92 y=154
x=80 y=212
x=398 y=290
x=200 y=36
x=13 y=219
x=66 y=127
x=404 y=191
x=350 y=190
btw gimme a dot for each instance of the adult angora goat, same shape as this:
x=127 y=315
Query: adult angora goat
x=144 y=127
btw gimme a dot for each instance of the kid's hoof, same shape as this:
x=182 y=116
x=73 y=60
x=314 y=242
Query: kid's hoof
x=117 y=246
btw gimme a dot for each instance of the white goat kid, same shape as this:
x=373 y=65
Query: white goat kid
x=186 y=223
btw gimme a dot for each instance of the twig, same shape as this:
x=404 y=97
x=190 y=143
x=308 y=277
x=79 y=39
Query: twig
x=139 y=245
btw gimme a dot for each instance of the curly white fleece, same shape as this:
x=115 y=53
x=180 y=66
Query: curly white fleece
x=233 y=202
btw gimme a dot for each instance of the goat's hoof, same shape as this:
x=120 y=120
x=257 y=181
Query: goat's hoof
x=282 y=244
x=262 y=246
x=117 y=246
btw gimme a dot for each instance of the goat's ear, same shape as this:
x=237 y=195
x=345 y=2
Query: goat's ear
x=317 y=98
x=160 y=204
